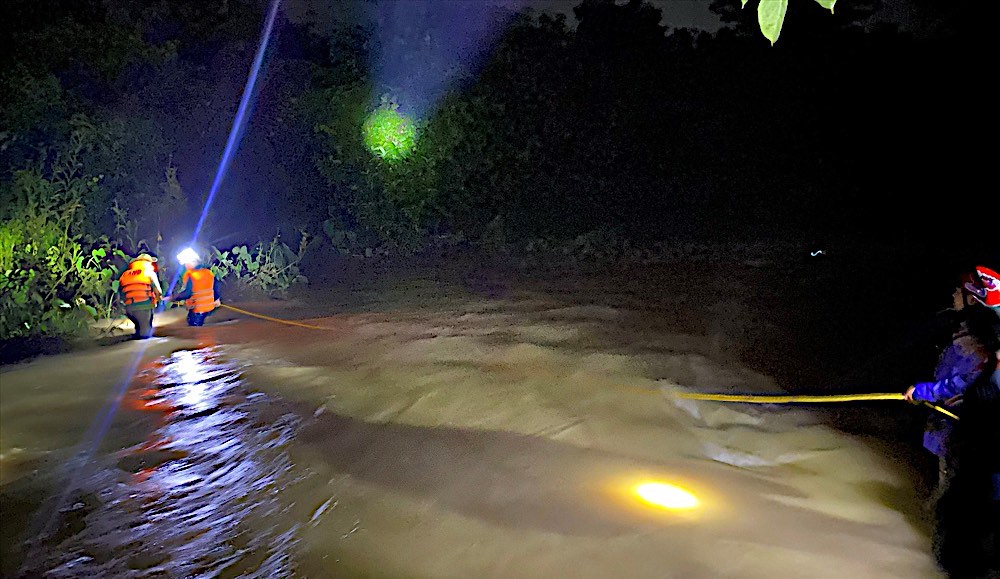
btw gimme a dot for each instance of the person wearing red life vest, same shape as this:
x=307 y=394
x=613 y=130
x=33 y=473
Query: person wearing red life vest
x=139 y=289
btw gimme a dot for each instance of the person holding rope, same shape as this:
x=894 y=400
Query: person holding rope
x=967 y=536
x=964 y=379
x=200 y=289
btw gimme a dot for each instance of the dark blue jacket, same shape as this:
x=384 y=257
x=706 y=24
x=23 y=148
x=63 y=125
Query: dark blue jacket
x=959 y=365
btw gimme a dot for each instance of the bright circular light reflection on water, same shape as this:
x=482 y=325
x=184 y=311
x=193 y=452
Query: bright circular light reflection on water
x=666 y=496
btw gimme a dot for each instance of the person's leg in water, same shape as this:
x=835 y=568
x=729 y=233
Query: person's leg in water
x=198 y=319
x=938 y=440
x=945 y=470
x=967 y=525
x=953 y=533
x=135 y=322
x=146 y=319
x=142 y=319
x=967 y=514
x=992 y=539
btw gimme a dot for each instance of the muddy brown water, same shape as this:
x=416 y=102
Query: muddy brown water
x=474 y=424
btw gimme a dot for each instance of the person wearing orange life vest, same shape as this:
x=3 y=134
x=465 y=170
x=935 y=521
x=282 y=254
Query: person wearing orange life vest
x=200 y=291
x=139 y=289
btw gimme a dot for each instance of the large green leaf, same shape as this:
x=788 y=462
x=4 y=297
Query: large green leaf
x=770 y=16
x=828 y=4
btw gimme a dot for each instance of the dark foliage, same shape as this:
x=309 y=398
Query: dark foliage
x=621 y=124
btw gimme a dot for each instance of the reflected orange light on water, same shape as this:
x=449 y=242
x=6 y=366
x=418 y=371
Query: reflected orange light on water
x=666 y=496
x=662 y=498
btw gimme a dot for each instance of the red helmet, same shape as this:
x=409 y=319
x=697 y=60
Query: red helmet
x=985 y=286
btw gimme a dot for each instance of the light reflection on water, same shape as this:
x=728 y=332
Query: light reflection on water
x=199 y=497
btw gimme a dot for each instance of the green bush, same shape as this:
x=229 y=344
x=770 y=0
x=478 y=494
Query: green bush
x=267 y=267
x=52 y=279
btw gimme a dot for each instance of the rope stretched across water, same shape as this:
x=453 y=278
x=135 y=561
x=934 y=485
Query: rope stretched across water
x=277 y=320
x=752 y=399
x=744 y=398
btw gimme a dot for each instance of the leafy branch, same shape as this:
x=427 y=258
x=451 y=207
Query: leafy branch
x=771 y=15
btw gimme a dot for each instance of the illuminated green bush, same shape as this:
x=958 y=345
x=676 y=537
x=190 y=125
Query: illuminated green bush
x=389 y=134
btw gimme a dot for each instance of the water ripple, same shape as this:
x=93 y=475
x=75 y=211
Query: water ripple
x=198 y=498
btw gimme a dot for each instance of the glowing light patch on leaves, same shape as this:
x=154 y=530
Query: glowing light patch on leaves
x=389 y=134
x=666 y=496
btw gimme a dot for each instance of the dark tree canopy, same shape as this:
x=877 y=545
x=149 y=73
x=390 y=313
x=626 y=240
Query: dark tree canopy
x=621 y=123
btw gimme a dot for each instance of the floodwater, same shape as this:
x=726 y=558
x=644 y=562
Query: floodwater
x=474 y=429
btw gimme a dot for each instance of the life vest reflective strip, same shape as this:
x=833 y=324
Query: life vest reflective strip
x=136 y=284
x=202 y=290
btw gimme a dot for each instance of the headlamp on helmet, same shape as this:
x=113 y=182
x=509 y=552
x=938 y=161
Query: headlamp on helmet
x=188 y=256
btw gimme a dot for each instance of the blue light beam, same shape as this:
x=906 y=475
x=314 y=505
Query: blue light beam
x=89 y=444
x=236 y=132
x=99 y=428
x=241 y=113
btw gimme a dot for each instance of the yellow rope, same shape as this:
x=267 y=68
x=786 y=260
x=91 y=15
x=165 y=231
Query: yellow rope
x=804 y=399
x=939 y=409
x=270 y=319
x=787 y=399
x=689 y=395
